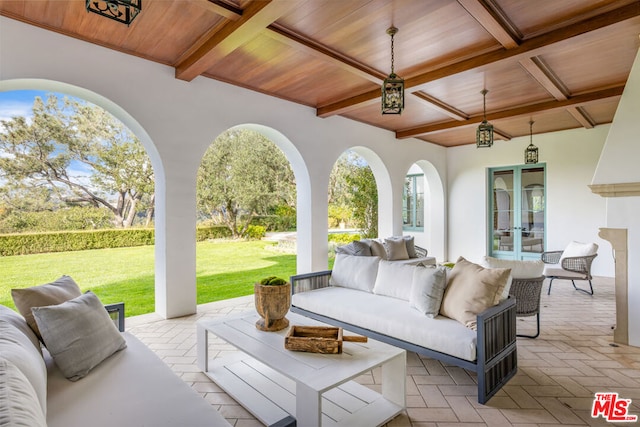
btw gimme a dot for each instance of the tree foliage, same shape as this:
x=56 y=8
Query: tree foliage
x=243 y=175
x=353 y=194
x=72 y=153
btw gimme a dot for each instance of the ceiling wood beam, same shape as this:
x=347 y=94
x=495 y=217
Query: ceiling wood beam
x=527 y=48
x=582 y=117
x=503 y=135
x=233 y=34
x=495 y=25
x=446 y=109
x=298 y=41
x=221 y=8
x=545 y=76
x=527 y=110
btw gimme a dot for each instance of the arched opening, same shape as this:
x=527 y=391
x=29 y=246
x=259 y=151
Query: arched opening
x=353 y=197
x=48 y=86
x=424 y=208
x=245 y=190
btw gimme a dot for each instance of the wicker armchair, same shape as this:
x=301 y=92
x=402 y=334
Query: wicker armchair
x=527 y=294
x=526 y=286
x=574 y=263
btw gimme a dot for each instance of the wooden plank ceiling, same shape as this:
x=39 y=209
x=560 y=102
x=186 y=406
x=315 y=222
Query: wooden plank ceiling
x=563 y=63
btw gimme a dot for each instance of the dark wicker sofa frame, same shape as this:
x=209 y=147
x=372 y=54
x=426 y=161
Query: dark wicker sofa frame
x=497 y=359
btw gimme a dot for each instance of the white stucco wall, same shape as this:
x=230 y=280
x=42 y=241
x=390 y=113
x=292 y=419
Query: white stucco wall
x=573 y=211
x=619 y=164
x=178 y=120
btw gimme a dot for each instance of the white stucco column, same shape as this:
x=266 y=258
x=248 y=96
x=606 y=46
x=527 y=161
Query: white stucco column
x=175 y=243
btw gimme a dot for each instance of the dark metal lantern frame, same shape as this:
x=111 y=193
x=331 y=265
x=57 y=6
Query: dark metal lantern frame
x=484 y=134
x=531 y=152
x=124 y=11
x=393 y=86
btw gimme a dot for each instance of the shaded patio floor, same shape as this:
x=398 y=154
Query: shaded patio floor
x=558 y=374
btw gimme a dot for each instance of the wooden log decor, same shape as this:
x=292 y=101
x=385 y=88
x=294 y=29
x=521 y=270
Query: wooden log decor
x=318 y=339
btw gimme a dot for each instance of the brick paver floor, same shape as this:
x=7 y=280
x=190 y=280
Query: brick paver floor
x=558 y=373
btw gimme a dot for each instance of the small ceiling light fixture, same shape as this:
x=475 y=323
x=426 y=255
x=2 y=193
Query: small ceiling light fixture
x=531 y=152
x=393 y=86
x=124 y=11
x=484 y=134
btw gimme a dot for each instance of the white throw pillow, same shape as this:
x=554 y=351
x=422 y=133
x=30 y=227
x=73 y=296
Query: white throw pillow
x=355 y=272
x=427 y=289
x=576 y=249
x=394 y=280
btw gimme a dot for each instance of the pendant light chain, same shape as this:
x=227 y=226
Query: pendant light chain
x=392 y=54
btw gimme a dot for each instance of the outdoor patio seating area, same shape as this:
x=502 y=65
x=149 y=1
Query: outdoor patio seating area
x=558 y=373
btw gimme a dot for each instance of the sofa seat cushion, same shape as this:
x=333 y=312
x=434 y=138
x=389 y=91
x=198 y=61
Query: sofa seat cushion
x=392 y=317
x=131 y=388
x=556 y=270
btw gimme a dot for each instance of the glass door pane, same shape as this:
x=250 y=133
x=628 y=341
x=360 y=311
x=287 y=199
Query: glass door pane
x=502 y=211
x=532 y=211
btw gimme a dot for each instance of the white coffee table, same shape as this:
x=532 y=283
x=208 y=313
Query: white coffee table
x=280 y=387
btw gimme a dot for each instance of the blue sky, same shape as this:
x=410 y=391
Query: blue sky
x=18 y=102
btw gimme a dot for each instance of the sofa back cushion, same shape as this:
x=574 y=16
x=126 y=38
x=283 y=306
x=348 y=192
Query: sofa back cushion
x=20 y=406
x=11 y=317
x=355 y=272
x=17 y=349
x=471 y=289
x=427 y=289
x=394 y=280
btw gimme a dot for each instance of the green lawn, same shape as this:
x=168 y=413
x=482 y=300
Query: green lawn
x=224 y=269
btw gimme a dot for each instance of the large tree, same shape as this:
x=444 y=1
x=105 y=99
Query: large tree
x=80 y=154
x=353 y=194
x=243 y=175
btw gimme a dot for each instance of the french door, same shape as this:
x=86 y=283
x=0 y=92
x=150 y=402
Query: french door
x=517 y=218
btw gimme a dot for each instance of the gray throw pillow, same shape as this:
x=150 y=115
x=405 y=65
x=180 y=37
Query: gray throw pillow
x=427 y=289
x=52 y=293
x=361 y=248
x=79 y=334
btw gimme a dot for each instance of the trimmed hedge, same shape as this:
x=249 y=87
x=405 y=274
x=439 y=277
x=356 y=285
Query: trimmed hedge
x=65 y=241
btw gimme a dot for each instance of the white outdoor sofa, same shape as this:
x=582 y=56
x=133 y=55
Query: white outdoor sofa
x=132 y=387
x=490 y=351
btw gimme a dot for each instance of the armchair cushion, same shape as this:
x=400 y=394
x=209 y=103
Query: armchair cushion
x=577 y=249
